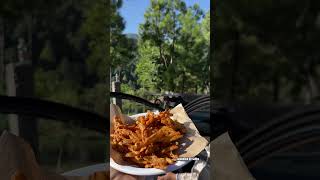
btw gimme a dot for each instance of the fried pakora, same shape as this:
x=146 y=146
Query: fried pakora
x=152 y=142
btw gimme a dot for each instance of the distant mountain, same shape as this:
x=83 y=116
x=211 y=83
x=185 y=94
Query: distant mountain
x=132 y=36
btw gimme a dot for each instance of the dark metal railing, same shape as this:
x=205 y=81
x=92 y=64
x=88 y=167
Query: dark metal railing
x=279 y=125
x=135 y=99
x=55 y=111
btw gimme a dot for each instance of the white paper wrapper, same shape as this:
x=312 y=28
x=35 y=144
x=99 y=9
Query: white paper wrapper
x=226 y=162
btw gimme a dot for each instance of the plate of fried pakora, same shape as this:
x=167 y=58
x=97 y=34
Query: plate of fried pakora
x=149 y=146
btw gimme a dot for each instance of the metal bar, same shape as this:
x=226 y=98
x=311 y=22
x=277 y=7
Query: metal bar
x=291 y=134
x=275 y=123
x=198 y=107
x=55 y=111
x=136 y=99
x=281 y=148
x=284 y=128
x=197 y=100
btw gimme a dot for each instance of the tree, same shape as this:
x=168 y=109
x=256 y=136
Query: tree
x=206 y=27
x=146 y=68
x=194 y=50
x=173 y=31
x=123 y=50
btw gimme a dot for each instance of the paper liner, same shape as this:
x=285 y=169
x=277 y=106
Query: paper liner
x=226 y=160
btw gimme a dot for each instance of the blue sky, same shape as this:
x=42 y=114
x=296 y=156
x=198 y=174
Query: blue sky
x=132 y=11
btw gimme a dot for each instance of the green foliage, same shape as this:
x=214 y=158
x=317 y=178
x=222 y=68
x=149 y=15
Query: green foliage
x=173 y=48
x=49 y=85
x=129 y=107
x=95 y=26
x=146 y=66
x=206 y=27
x=47 y=53
x=123 y=50
x=72 y=70
x=99 y=91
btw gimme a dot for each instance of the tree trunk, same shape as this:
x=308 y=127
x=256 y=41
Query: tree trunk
x=2 y=46
x=28 y=126
x=30 y=32
x=183 y=81
x=173 y=38
x=159 y=43
x=59 y=161
x=276 y=88
x=11 y=91
x=308 y=94
x=312 y=87
x=235 y=64
x=162 y=56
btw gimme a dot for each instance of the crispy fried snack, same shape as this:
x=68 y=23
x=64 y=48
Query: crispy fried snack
x=18 y=175
x=151 y=142
x=100 y=176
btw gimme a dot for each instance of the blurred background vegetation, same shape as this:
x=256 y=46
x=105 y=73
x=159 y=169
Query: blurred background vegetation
x=266 y=55
x=66 y=41
x=266 y=51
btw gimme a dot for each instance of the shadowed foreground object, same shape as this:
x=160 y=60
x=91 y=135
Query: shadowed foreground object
x=95 y=176
x=17 y=162
x=100 y=176
x=18 y=176
x=271 y=137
